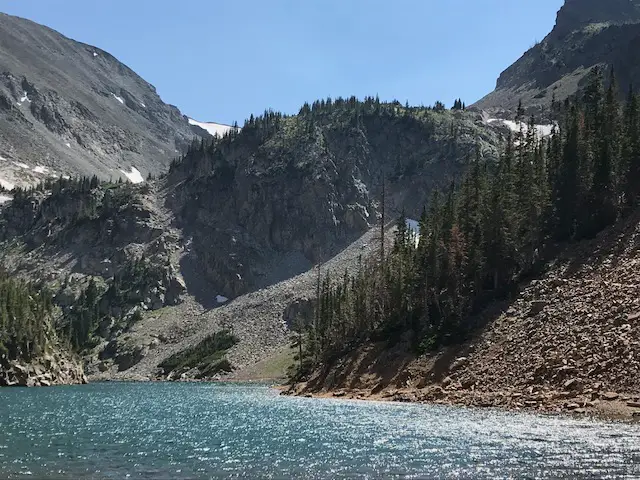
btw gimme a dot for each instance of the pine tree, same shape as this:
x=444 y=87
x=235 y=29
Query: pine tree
x=631 y=150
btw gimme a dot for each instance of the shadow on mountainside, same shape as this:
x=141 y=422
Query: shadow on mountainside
x=197 y=285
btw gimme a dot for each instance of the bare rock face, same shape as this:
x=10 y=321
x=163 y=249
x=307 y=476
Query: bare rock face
x=55 y=368
x=70 y=108
x=286 y=194
x=576 y=14
x=587 y=33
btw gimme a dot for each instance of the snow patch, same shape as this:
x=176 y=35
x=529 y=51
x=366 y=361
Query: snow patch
x=19 y=164
x=68 y=145
x=215 y=129
x=134 y=175
x=5 y=199
x=40 y=169
x=95 y=54
x=221 y=299
x=6 y=185
x=413 y=226
x=120 y=99
x=66 y=177
x=143 y=105
x=541 y=130
x=24 y=98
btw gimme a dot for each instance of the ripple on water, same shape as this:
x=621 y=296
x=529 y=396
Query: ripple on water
x=167 y=431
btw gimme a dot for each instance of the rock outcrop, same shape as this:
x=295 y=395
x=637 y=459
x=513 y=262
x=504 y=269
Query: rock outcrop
x=54 y=368
x=587 y=33
x=287 y=193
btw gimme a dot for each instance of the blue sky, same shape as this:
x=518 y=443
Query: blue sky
x=223 y=60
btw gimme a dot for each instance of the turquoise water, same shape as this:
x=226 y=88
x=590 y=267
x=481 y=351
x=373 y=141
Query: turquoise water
x=184 y=431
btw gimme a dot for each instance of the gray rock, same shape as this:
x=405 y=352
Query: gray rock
x=80 y=109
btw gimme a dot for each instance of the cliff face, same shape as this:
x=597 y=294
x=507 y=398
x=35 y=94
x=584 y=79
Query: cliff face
x=577 y=14
x=57 y=367
x=68 y=108
x=587 y=33
x=265 y=206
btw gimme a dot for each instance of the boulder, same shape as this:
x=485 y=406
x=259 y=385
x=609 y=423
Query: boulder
x=536 y=307
x=572 y=384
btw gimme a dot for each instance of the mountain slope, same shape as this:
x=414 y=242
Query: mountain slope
x=587 y=33
x=568 y=341
x=70 y=108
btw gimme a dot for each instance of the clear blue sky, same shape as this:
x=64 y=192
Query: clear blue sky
x=223 y=60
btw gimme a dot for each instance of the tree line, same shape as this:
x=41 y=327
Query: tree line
x=26 y=320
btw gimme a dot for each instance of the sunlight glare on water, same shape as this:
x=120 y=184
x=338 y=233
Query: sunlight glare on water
x=180 y=431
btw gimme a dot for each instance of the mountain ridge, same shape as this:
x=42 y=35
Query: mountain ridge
x=69 y=108
x=587 y=33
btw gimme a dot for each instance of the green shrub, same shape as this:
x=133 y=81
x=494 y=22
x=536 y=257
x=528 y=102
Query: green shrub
x=207 y=356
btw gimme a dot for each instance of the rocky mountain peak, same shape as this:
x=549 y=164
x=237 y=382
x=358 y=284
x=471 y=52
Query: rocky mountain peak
x=576 y=14
x=68 y=108
x=587 y=33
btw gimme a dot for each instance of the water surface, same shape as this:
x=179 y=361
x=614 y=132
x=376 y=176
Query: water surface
x=185 y=431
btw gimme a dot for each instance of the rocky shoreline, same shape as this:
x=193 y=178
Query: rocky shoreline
x=51 y=369
x=598 y=404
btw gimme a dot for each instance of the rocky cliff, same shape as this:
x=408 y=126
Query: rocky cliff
x=67 y=108
x=287 y=193
x=57 y=367
x=587 y=33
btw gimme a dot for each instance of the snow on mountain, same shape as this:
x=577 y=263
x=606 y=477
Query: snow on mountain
x=542 y=130
x=215 y=129
x=221 y=299
x=6 y=185
x=134 y=175
x=24 y=98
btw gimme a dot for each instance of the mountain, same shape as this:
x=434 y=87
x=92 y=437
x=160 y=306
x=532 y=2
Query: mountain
x=587 y=33
x=286 y=193
x=67 y=108
x=518 y=288
x=142 y=271
x=211 y=266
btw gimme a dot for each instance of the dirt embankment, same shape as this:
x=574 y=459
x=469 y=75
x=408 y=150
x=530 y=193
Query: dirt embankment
x=569 y=342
